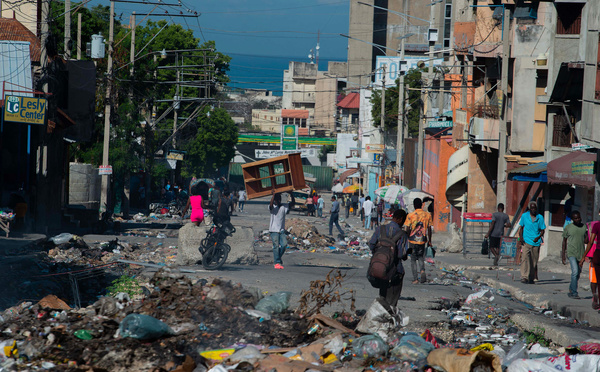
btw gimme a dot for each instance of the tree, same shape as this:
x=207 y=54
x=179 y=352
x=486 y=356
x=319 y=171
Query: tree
x=412 y=100
x=213 y=145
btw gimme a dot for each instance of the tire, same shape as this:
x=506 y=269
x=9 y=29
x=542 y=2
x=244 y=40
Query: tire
x=215 y=256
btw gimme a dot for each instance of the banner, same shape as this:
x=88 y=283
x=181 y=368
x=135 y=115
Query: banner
x=267 y=154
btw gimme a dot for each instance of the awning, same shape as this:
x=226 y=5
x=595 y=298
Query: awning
x=347 y=173
x=576 y=168
x=536 y=172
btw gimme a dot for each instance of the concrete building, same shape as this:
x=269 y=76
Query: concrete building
x=267 y=120
x=387 y=28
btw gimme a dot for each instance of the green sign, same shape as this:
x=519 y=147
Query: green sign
x=582 y=167
x=289 y=131
x=289 y=144
x=440 y=124
x=25 y=110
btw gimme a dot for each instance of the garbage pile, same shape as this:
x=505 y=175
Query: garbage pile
x=184 y=325
x=68 y=248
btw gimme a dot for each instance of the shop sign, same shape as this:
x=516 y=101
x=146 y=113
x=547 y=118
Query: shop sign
x=440 y=124
x=105 y=170
x=267 y=154
x=175 y=155
x=579 y=147
x=377 y=159
x=25 y=110
x=374 y=148
x=582 y=167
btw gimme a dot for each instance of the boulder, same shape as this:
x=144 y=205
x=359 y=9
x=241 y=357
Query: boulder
x=241 y=243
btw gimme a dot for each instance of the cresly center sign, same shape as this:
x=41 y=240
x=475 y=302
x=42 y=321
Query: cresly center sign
x=25 y=110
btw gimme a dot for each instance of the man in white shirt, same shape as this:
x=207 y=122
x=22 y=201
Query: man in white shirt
x=320 y=205
x=241 y=199
x=277 y=226
x=368 y=208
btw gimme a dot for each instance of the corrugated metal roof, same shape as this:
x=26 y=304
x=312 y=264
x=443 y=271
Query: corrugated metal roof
x=15 y=68
x=530 y=169
x=351 y=101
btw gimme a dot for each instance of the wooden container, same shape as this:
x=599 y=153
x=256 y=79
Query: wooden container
x=282 y=173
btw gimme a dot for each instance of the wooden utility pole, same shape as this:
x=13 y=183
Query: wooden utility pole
x=67 y=29
x=176 y=101
x=132 y=52
x=382 y=127
x=79 y=36
x=401 y=105
x=104 y=192
x=502 y=138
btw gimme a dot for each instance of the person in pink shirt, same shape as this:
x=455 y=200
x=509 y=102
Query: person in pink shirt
x=195 y=202
x=593 y=233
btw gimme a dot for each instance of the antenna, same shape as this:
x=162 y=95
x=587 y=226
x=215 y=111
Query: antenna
x=318 y=47
x=311 y=56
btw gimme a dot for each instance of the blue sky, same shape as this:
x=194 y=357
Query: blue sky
x=281 y=28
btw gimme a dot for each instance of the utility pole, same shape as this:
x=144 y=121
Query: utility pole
x=104 y=192
x=502 y=139
x=127 y=177
x=382 y=126
x=132 y=51
x=176 y=101
x=79 y=36
x=401 y=106
x=67 y=29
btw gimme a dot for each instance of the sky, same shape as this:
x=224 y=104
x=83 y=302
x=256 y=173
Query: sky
x=278 y=28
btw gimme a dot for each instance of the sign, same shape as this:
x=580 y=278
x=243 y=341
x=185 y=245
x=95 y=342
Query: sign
x=440 y=124
x=289 y=137
x=392 y=67
x=579 y=147
x=105 y=170
x=267 y=154
x=376 y=148
x=175 y=155
x=25 y=110
x=582 y=167
x=377 y=159
x=508 y=246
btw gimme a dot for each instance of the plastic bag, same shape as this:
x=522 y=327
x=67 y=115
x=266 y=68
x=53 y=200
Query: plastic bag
x=518 y=351
x=61 y=238
x=485 y=244
x=412 y=347
x=369 y=346
x=143 y=327
x=379 y=320
x=275 y=303
x=573 y=363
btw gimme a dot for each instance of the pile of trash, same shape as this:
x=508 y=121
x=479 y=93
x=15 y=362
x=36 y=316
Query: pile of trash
x=184 y=325
x=305 y=233
x=69 y=248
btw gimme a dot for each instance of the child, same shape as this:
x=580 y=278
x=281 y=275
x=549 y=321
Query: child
x=195 y=201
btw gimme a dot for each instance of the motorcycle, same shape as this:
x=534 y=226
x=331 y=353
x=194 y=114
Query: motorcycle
x=213 y=248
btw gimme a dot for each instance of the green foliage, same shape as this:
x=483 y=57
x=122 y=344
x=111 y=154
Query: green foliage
x=537 y=336
x=213 y=145
x=412 y=101
x=324 y=151
x=125 y=284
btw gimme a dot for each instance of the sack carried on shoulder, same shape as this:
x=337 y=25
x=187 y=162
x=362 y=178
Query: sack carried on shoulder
x=418 y=234
x=382 y=266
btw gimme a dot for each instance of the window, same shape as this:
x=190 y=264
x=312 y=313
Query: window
x=302 y=123
x=561 y=136
x=568 y=18
x=448 y=13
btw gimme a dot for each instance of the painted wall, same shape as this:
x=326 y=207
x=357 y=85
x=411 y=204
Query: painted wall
x=435 y=162
x=481 y=196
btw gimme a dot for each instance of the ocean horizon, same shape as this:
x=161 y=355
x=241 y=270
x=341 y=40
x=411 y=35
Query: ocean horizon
x=264 y=72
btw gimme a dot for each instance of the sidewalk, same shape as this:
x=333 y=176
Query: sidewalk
x=548 y=293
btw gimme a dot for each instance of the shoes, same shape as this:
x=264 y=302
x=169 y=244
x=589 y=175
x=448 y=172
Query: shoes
x=278 y=266
x=574 y=296
x=524 y=281
x=496 y=258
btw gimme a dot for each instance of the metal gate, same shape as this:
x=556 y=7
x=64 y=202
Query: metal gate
x=475 y=226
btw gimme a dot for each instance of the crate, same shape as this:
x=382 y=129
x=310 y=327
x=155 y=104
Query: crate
x=281 y=174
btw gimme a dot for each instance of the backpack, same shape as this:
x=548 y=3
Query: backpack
x=382 y=266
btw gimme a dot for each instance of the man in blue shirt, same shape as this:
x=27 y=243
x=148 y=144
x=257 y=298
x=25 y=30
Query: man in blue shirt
x=335 y=216
x=531 y=230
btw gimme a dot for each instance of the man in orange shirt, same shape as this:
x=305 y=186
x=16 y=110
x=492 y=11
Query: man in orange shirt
x=418 y=226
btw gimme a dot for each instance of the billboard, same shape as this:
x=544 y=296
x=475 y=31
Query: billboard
x=392 y=67
x=25 y=110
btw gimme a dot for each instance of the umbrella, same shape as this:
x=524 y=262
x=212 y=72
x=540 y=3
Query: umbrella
x=391 y=194
x=410 y=195
x=352 y=189
x=337 y=188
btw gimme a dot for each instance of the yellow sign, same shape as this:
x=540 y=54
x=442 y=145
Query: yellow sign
x=175 y=156
x=375 y=148
x=25 y=110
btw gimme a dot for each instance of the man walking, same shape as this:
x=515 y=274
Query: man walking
x=573 y=248
x=368 y=209
x=242 y=199
x=531 y=230
x=277 y=226
x=347 y=204
x=354 y=199
x=320 y=205
x=335 y=216
x=418 y=226
x=390 y=291
x=500 y=221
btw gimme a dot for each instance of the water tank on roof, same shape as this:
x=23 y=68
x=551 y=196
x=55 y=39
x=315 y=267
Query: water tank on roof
x=97 y=46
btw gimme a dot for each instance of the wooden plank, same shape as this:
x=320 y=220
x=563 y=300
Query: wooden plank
x=267 y=177
x=277 y=159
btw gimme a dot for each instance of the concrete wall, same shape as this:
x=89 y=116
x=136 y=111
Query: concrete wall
x=360 y=54
x=325 y=106
x=523 y=108
x=84 y=185
x=437 y=153
x=481 y=196
x=590 y=130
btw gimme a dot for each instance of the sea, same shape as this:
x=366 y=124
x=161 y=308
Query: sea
x=263 y=72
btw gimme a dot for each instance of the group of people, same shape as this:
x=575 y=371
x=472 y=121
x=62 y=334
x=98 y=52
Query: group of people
x=314 y=203
x=221 y=202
